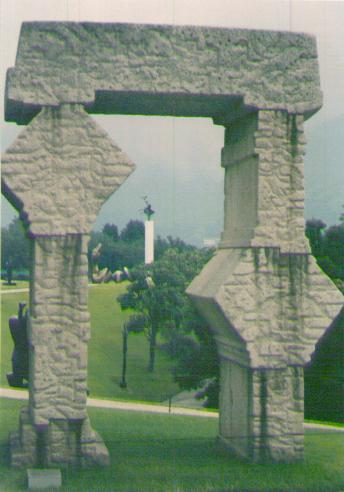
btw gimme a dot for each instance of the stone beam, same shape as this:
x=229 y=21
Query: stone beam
x=160 y=69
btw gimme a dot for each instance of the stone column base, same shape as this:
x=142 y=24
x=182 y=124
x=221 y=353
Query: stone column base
x=261 y=412
x=61 y=443
x=282 y=449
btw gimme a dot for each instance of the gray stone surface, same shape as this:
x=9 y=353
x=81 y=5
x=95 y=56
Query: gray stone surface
x=147 y=69
x=58 y=173
x=264 y=182
x=59 y=328
x=44 y=478
x=61 y=442
x=23 y=444
x=61 y=169
x=262 y=294
x=261 y=414
x=278 y=305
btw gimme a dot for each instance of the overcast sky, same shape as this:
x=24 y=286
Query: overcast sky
x=177 y=150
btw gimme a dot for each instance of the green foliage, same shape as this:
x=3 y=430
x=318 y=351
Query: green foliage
x=15 y=246
x=133 y=231
x=157 y=292
x=117 y=251
x=111 y=230
x=327 y=246
x=314 y=232
x=196 y=358
x=136 y=323
x=161 y=245
x=325 y=375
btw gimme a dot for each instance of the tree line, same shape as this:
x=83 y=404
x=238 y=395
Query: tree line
x=119 y=249
x=327 y=245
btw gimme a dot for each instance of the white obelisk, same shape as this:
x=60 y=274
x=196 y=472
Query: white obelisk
x=149 y=241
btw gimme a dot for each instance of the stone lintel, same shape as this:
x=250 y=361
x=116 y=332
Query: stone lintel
x=161 y=69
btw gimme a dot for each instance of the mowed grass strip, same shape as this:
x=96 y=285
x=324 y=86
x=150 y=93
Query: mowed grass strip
x=162 y=453
x=104 y=350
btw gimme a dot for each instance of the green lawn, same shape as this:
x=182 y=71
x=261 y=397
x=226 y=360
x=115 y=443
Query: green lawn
x=105 y=350
x=174 y=453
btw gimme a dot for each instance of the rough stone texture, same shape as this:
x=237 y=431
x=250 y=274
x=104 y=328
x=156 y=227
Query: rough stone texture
x=119 y=68
x=44 y=478
x=264 y=187
x=61 y=169
x=62 y=442
x=277 y=415
x=93 y=450
x=58 y=173
x=262 y=412
x=59 y=328
x=265 y=298
x=262 y=294
x=55 y=430
x=23 y=443
x=279 y=305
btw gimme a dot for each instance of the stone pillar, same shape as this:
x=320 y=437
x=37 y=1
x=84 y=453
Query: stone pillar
x=58 y=173
x=263 y=294
x=240 y=162
x=59 y=328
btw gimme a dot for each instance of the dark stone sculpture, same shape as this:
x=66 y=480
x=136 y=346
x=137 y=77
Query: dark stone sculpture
x=20 y=355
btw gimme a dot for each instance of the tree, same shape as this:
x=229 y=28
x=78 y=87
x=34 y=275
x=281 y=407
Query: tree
x=133 y=231
x=161 y=245
x=327 y=246
x=333 y=252
x=115 y=253
x=151 y=294
x=111 y=230
x=196 y=359
x=157 y=293
x=314 y=232
x=15 y=246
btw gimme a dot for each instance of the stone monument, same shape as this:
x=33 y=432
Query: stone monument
x=263 y=295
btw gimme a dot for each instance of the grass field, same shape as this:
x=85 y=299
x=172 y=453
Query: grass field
x=174 y=453
x=105 y=350
x=17 y=284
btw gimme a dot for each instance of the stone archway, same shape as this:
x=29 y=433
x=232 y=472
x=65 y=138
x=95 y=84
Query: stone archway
x=262 y=294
